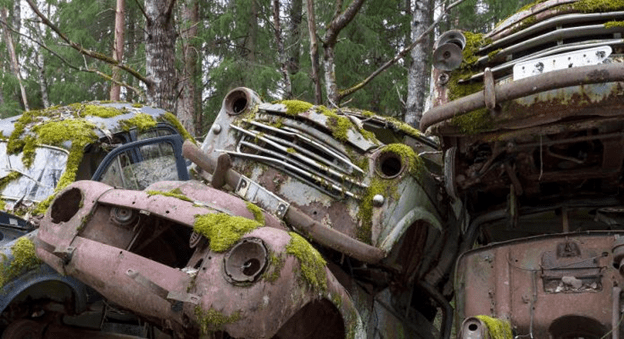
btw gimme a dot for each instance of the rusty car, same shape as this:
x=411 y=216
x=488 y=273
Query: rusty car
x=530 y=121
x=328 y=223
x=121 y=144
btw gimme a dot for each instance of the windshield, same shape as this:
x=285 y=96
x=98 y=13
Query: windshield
x=36 y=182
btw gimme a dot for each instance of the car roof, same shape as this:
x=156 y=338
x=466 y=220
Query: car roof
x=101 y=114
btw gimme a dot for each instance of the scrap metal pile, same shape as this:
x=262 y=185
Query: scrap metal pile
x=304 y=221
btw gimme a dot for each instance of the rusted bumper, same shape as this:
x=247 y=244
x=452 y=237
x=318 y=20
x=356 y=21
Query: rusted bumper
x=146 y=259
x=597 y=74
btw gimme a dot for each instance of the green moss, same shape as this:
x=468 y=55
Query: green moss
x=405 y=128
x=171 y=119
x=101 y=111
x=479 y=120
x=276 y=263
x=385 y=187
x=493 y=53
x=342 y=126
x=415 y=165
x=24 y=259
x=294 y=107
x=311 y=262
x=140 y=121
x=7 y=179
x=499 y=329
x=593 y=6
x=257 y=213
x=137 y=105
x=213 y=320
x=614 y=24
x=223 y=230
x=2 y=205
x=291 y=150
x=176 y=193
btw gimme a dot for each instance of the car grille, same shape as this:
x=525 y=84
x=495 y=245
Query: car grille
x=306 y=152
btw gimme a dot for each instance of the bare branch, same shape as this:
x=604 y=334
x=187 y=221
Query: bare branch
x=398 y=56
x=142 y=10
x=340 y=21
x=138 y=91
x=84 y=51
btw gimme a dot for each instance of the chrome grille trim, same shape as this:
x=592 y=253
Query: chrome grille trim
x=313 y=161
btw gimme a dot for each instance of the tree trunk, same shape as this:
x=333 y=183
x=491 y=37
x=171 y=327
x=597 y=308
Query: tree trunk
x=281 y=54
x=13 y=56
x=417 y=78
x=252 y=31
x=118 y=46
x=293 y=39
x=187 y=103
x=131 y=37
x=341 y=20
x=160 y=54
x=318 y=94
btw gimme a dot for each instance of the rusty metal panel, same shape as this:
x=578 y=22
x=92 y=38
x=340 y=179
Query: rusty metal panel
x=540 y=282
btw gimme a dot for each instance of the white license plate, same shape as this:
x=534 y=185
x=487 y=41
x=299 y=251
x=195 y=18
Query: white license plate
x=585 y=57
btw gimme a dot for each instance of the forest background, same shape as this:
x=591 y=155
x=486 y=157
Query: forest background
x=185 y=55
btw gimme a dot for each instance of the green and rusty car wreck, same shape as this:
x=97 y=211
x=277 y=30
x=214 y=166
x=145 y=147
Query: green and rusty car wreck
x=530 y=121
x=318 y=222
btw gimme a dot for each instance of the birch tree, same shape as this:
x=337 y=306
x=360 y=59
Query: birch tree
x=418 y=76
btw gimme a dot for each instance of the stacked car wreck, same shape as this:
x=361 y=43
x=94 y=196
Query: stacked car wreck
x=530 y=121
x=311 y=216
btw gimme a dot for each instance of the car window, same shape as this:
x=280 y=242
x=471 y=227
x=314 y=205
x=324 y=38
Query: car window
x=159 y=163
x=36 y=182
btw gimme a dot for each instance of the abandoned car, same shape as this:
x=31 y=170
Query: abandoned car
x=316 y=221
x=530 y=121
x=121 y=144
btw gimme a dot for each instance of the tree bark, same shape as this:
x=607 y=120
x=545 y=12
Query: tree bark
x=281 y=54
x=318 y=92
x=417 y=78
x=118 y=46
x=160 y=54
x=187 y=102
x=13 y=56
x=293 y=39
x=340 y=21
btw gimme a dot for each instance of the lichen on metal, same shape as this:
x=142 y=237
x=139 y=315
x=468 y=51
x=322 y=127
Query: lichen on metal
x=213 y=320
x=311 y=262
x=140 y=121
x=24 y=258
x=223 y=230
x=257 y=212
x=175 y=193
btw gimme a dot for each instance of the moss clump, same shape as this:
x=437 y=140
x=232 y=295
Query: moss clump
x=405 y=128
x=24 y=259
x=614 y=24
x=291 y=150
x=311 y=262
x=474 y=122
x=276 y=263
x=343 y=124
x=141 y=121
x=257 y=213
x=175 y=193
x=137 y=105
x=223 y=230
x=493 y=53
x=593 y=6
x=499 y=329
x=415 y=165
x=294 y=107
x=171 y=119
x=101 y=111
x=213 y=320
x=385 y=187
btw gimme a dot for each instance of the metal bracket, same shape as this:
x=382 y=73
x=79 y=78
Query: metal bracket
x=65 y=253
x=173 y=297
x=253 y=192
